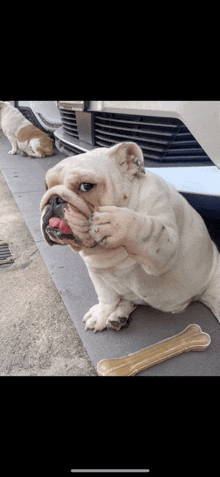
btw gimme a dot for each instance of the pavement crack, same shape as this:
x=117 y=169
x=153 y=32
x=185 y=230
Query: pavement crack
x=36 y=251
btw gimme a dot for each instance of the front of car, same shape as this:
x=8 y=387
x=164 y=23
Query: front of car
x=180 y=140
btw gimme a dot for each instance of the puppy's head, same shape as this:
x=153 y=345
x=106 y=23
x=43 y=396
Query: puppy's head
x=79 y=184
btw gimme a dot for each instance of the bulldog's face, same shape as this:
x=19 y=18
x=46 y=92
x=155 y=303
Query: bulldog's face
x=79 y=184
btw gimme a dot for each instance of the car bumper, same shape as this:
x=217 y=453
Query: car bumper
x=44 y=114
x=202 y=118
x=199 y=184
x=69 y=146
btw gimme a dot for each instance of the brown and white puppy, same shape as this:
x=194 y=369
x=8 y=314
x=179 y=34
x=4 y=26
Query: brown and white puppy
x=141 y=240
x=22 y=134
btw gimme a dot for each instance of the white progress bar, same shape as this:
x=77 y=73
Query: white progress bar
x=110 y=470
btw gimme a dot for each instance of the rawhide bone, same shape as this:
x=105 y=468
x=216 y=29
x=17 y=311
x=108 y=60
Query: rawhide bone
x=190 y=339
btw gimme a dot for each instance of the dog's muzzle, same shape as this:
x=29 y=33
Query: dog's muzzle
x=54 y=208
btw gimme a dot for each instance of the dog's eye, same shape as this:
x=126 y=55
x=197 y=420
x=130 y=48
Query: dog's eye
x=86 y=186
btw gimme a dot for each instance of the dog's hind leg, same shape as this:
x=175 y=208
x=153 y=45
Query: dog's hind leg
x=39 y=153
x=14 y=145
x=37 y=150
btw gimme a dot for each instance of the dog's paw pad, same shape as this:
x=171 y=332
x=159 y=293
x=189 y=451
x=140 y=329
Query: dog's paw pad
x=118 y=322
x=122 y=319
x=115 y=324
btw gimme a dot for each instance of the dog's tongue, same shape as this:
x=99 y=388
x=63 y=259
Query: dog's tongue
x=55 y=222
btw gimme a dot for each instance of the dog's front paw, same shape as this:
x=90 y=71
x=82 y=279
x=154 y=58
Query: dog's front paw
x=79 y=225
x=103 y=316
x=120 y=317
x=109 y=225
x=97 y=317
x=12 y=151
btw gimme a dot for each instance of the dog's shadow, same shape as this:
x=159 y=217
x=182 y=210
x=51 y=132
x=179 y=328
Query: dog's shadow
x=155 y=325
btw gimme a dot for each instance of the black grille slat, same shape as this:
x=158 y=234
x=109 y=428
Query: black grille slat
x=184 y=150
x=161 y=139
x=127 y=137
x=187 y=142
x=145 y=135
x=134 y=129
x=69 y=122
x=146 y=121
x=72 y=132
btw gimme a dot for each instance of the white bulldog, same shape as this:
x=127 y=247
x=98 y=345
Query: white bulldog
x=141 y=240
x=22 y=134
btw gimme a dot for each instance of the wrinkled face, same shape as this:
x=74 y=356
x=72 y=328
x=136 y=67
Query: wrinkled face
x=75 y=186
x=79 y=184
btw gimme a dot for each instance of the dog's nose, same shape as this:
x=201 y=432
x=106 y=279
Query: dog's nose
x=56 y=200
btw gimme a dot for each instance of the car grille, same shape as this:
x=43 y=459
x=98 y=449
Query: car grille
x=28 y=114
x=161 y=139
x=69 y=124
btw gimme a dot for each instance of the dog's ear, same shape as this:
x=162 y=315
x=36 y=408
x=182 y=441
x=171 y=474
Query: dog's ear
x=129 y=158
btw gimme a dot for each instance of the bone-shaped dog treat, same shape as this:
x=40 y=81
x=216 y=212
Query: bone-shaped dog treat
x=190 y=339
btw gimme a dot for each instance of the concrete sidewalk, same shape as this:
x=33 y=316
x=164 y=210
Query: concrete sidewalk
x=37 y=335
x=25 y=178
